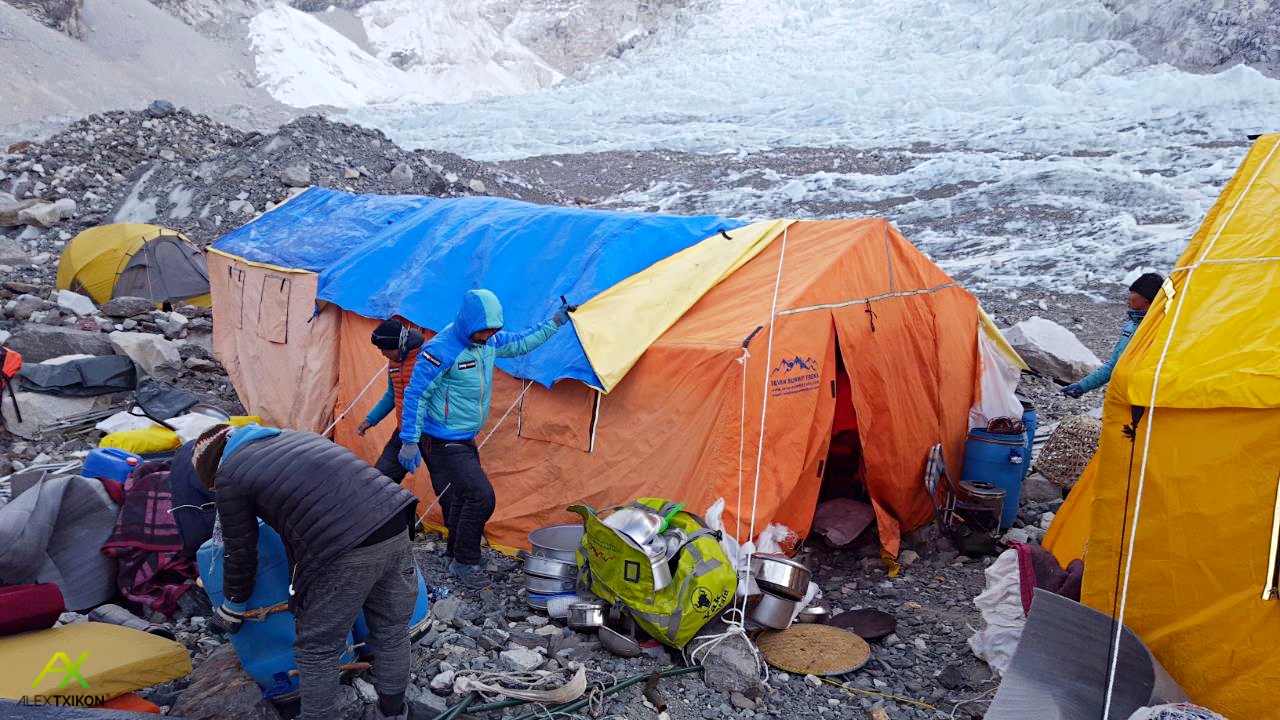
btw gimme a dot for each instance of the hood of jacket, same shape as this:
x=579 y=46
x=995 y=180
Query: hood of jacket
x=480 y=311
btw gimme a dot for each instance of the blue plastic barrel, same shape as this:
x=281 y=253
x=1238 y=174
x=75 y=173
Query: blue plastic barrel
x=1029 y=422
x=109 y=463
x=1001 y=461
x=265 y=646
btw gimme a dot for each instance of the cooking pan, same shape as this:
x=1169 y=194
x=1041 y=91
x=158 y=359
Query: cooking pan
x=558 y=542
x=546 y=567
x=780 y=575
x=549 y=586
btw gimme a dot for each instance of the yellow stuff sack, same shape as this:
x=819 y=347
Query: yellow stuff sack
x=143 y=442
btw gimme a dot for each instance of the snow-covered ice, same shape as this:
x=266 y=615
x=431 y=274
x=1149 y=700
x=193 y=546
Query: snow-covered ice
x=1073 y=158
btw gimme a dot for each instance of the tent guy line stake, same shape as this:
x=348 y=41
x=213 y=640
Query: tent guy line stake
x=1127 y=552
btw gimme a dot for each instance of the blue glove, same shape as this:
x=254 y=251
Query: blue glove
x=562 y=315
x=409 y=456
x=1073 y=390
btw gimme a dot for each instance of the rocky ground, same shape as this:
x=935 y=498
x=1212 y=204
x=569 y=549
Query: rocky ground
x=204 y=178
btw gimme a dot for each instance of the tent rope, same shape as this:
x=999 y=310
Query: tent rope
x=764 y=402
x=422 y=517
x=368 y=385
x=1127 y=550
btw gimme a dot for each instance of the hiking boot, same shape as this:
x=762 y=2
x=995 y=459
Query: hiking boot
x=469 y=576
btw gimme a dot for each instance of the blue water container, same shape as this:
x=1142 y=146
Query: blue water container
x=1029 y=422
x=1000 y=460
x=109 y=463
x=265 y=646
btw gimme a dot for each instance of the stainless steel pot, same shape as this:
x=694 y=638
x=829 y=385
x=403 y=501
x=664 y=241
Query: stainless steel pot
x=558 y=542
x=780 y=575
x=549 y=586
x=638 y=524
x=586 y=616
x=815 y=613
x=773 y=611
x=546 y=567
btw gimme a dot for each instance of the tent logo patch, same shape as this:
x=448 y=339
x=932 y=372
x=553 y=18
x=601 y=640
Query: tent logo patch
x=794 y=375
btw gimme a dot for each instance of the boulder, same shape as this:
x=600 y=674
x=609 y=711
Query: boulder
x=476 y=185
x=160 y=109
x=1051 y=350
x=45 y=214
x=297 y=175
x=402 y=175
x=220 y=688
x=75 y=303
x=731 y=667
x=38 y=343
x=155 y=357
x=520 y=660
x=25 y=305
x=40 y=410
x=127 y=306
x=11 y=252
x=172 y=324
x=9 y=211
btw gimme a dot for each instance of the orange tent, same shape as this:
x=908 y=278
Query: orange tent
x=719 y=390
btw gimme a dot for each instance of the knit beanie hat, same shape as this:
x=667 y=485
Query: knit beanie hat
x=207 y=452
x=1148 y=285
x=387 y=335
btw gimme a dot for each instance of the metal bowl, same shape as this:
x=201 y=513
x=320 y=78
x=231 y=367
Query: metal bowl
x=640 y=525
x=780 y=575
x=558 y=542
x=815 y=613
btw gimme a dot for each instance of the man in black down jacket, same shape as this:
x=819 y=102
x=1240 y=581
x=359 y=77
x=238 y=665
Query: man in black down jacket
x=346 y=528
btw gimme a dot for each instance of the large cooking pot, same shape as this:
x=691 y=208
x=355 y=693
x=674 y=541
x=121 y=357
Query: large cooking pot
x=558 y=542
x=546 y=567
x=549 y=586
x=780 y=575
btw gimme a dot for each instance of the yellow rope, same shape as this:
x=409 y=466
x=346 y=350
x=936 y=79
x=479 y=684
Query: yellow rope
x=873 y=693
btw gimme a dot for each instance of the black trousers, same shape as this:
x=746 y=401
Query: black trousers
x=466 y=496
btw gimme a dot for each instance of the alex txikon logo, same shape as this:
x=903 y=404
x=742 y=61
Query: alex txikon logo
x=60 y=663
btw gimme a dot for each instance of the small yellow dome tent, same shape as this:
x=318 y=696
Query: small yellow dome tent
x=135 y=260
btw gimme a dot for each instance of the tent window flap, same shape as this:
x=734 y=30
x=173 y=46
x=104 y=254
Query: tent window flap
x=273 y=311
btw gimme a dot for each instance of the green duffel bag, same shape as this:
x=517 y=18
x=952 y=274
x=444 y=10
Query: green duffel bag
x=703 y=581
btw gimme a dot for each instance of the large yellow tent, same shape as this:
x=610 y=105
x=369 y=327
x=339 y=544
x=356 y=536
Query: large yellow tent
x=134 y=259
x=1200 y=387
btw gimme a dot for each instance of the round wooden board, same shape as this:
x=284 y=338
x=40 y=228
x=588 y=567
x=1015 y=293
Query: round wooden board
x=811 y=649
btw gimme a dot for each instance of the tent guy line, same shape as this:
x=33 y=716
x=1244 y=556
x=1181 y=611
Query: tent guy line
x=872 y=298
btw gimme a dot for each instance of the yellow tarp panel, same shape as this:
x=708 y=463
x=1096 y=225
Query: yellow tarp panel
x=997 y=338
x=1069 y=533
x=116 y=660
x=1224 y=352
x=619 y=324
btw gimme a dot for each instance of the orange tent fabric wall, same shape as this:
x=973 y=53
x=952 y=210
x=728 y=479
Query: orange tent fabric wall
x=685 y=422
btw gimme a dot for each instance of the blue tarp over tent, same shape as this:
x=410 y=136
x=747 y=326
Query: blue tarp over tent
x=415 y=257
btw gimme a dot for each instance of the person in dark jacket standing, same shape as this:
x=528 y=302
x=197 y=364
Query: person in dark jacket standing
x=447 y=400
x=347 y=531
x=399 y=345
x=1141 y=294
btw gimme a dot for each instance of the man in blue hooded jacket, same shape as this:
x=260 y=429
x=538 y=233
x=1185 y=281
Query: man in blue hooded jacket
x=1141 y=294
x=447 y=401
